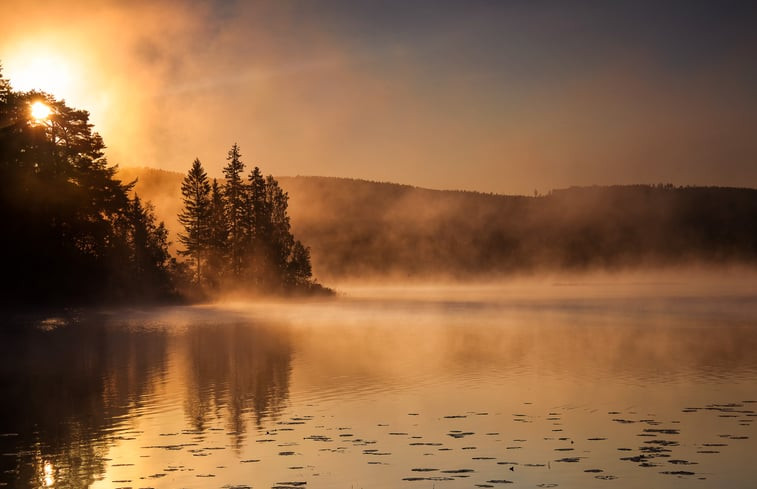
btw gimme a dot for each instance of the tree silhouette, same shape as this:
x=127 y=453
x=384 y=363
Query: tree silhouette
x=235 y=197
x=195 y=217
x=218 y=237
x=76 y=234
x=249 y=241
x=258 y=228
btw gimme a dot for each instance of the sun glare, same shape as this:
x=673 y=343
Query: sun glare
x=48 y=73
x=40 y=111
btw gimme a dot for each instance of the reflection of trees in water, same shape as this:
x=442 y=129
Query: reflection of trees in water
x=240 y=367
x=64 y=389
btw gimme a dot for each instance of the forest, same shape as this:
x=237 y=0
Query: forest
x=366 y=230
x=74 y=233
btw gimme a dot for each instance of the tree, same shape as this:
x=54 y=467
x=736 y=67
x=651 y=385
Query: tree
x=218 y=237
x=73 y=231
x=299 y=271
x=258 y=227
x=148 y=243
x=195 y=217
x=235 y=198
x=279 y=237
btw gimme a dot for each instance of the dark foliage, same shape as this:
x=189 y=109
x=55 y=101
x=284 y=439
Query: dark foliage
x=71 y=232
x=239 y=233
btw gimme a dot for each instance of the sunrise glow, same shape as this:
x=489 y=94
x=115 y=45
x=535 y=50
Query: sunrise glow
x=39 y=111
x=45 y=72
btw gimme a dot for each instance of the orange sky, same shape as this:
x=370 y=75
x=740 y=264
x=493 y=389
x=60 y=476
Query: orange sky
x=502 y=97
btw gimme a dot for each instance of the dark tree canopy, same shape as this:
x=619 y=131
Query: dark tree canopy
x=247 y=243
x=74 y=233
x=195 y=190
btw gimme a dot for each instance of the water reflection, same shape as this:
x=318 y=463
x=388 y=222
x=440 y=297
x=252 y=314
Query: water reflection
x=381 y=393
x=66 y=389
x=242 y=368
x=76 y=387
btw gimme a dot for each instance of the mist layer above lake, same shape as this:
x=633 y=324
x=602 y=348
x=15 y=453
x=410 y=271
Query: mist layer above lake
x=576 y=384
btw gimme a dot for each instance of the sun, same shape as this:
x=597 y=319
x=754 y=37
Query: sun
x=39 y=111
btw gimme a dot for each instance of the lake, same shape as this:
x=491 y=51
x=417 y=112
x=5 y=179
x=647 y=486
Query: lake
x=555 y=384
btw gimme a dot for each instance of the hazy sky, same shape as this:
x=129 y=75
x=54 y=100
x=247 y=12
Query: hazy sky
x=498 y=96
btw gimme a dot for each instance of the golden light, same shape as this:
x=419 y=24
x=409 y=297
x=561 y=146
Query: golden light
x=41 y=71
x=40 y=111
x=48 y=474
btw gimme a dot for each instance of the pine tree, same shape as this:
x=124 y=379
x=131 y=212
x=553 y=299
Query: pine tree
x=299 y=271
x=149 y=258
x=258 y=227
x=195 y=217
x=279 y=237
x=219 y=234
x=235 y=197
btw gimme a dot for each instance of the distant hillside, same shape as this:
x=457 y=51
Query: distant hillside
x=358 y=228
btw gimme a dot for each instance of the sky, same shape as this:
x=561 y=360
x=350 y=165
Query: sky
x=494 y=96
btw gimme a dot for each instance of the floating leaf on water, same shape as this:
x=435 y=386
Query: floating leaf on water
x=662 y=431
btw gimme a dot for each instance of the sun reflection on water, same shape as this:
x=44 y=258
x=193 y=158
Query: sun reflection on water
x=48 y=471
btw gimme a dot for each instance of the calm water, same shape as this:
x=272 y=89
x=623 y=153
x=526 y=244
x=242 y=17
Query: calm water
x=640 y=385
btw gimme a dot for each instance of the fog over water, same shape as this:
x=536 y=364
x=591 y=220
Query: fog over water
x=644 y=381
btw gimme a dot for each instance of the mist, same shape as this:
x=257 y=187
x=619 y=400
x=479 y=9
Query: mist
x=361 y=231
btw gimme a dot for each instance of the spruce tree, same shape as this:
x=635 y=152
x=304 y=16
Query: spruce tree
x=279 y=236
x=219 y=235
x=235 y=197
x=195 y=217
x=257 y=227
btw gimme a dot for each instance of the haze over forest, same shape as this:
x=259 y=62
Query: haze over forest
x=360 y=229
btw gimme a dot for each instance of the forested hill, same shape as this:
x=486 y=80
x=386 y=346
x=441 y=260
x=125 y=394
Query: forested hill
x=357 y=228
